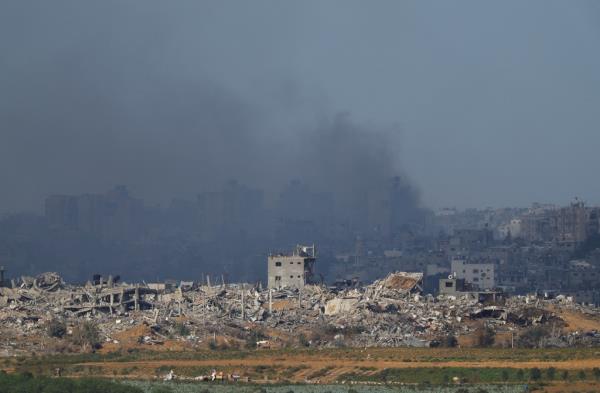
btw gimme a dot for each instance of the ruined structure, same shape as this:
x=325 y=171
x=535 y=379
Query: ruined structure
x=293 y=270
x=480 y=275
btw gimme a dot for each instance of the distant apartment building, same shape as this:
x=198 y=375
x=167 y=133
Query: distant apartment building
x=114 y=214
x=565 y=226
x=292 y=270
x=480 y=275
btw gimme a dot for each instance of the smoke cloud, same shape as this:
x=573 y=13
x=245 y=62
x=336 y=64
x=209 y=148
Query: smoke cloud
x=83 y=114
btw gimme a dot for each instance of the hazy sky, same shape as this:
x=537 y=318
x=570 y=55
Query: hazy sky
x=496 y=103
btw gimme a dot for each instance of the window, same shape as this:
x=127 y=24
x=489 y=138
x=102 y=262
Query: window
x=449 y=284
x=277 y=278
x=291 y=276
x=277 y=263
x=299 y=276
x=476 y=279
x=475 y=271
x=299 y=263
x=291 y=263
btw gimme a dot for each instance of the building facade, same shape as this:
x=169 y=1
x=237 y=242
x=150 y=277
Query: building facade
x=292 y=270
x=479 y=275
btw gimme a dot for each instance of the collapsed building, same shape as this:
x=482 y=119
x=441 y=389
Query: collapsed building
x=389 y=312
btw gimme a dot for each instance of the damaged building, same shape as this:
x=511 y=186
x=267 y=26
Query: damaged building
x=293 y=270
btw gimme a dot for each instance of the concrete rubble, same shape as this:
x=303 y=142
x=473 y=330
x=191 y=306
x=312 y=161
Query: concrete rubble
x=390 y=312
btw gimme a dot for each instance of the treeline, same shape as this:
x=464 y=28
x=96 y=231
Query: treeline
x=27 y=383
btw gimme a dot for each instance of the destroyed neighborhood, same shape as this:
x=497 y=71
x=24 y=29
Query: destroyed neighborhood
x=291 y=311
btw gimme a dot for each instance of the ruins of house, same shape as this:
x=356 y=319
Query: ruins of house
x=480 y=275
x=293 y=270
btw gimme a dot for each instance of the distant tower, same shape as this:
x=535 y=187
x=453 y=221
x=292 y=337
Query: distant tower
x=358 y=250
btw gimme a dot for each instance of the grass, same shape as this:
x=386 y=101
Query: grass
x=446 y=375
x=19 y=383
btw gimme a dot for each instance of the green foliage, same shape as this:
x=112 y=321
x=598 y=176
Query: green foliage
x=486 y=337
x=551 y=372
x=20 y=383
x=303 y=341
x=86 y=334
x=161 y=389
x=535 y=374
x=254 y=336
x=450 y=341
x=56 y=328
x=181 y=330
x=533 y=337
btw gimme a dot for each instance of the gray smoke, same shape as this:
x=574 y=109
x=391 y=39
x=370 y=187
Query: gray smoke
x=83 y=110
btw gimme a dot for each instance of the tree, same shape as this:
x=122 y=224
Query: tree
x=486 y=337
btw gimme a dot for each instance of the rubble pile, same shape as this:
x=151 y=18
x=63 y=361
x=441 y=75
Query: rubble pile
x=389 y=312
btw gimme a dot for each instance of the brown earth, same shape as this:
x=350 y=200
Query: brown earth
x=336 y=367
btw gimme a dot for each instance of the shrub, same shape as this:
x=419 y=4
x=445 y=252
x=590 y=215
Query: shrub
x=450 y=341
x=181 y=330
x=56 y=328
x=535 y=374
x=486 y=337
x=86 y=335
x=520 y=374
x=533 y=337
x=551 y=372
x=303 y=340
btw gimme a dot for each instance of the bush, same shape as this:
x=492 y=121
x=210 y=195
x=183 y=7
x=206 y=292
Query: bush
x=535 y=374
x=56 y=328
x=533 y=337
x=450 y=341
x=551 y=372
x=181 y=330
x=303 y=341
x=18 y=383
x=486 y=337
x=86 y=335
x=161 y=389
x=520 y=374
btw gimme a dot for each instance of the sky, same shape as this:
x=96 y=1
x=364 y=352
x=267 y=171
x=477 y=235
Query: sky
x=474 y=103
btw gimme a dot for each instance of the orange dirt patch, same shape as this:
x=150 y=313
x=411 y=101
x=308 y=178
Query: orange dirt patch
x=336 y=367
x=578 y=321
x=132 y=339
